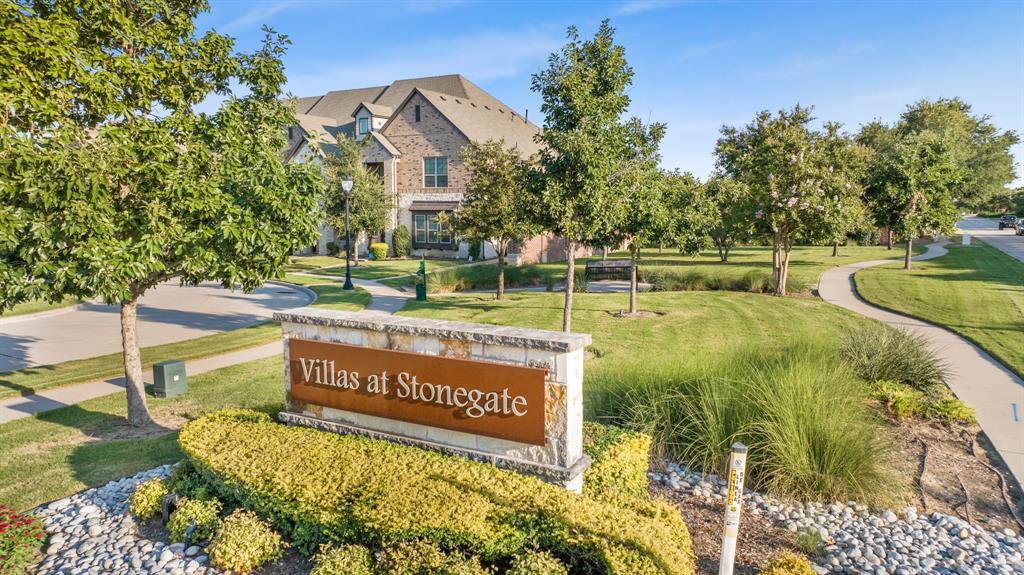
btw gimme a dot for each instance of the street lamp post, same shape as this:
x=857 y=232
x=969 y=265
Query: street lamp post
x=346 y=187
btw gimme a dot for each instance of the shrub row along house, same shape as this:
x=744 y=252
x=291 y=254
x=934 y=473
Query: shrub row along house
x=417 y=130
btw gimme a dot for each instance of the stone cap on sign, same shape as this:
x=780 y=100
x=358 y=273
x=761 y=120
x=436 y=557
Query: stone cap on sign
x=494 y=335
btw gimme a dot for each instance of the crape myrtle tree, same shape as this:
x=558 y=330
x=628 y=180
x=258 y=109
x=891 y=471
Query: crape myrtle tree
x=875 y=136
x=368 y=202
x=845 y=164
x=781 y=160
x=494 y=208
x=111 y=183
x=586 y=145
x=913 y=181
x=734 y=214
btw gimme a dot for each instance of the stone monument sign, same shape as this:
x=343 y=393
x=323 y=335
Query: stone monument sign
x=508 y=396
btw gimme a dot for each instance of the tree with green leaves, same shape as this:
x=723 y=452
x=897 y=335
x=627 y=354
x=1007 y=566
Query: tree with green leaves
x=586 y=146
x=368 y=202
x=781 y=161
x=972 y=141
x=734 y=213
x=913 y=180
x=845 y=163
x=494 y=208
x=112 y=183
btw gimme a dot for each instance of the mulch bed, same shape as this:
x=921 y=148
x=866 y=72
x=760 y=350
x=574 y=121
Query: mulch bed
x=759 y=541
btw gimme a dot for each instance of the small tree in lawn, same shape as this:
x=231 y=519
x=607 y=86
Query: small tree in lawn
x=586 y=146
x=368 y=201
x=913 y=180
x=495 y=207
x=111 y=183
x=734 y=214
x=778 y=158
x=845 y=166
x=690 y=213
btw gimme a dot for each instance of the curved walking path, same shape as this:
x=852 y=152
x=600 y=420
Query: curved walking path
x=995 y=392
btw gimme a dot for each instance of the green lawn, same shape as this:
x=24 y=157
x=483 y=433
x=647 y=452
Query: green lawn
x=54 y=454
x=373 y=269
x=308 y=263
x=51 y=455
x=747 y=268
x=977 y=291
x=34 y=379
x=35 y=306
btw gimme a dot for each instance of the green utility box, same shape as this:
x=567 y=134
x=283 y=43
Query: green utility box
x=169 y=379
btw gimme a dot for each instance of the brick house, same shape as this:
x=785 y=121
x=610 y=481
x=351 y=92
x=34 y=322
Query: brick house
x=417 y=129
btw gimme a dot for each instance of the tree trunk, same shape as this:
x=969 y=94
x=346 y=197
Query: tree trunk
x=780 y=289
x=604 y=253
x=835 y=249
x=906 y=256
x=725 y=255
x=500 y=252
x=634 y=256
x=721 y=254
x=570 y=280
x=888 y=240
x=776 y=260
x=138 y=412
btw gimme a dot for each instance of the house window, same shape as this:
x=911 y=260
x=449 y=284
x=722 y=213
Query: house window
x=435 y=172
x=364 y=125
x=429 y=232
x=417 y=112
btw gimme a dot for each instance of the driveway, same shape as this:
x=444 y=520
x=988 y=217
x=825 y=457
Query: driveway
x=167 y=313
x=988 y=230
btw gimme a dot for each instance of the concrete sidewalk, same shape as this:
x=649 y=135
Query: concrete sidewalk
x=28 y=405
x=995 y=392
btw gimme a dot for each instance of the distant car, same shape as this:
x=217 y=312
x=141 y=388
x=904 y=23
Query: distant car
x=1010 y=222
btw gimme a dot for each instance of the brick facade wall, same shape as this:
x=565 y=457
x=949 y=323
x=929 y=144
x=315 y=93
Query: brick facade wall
x=433 y=135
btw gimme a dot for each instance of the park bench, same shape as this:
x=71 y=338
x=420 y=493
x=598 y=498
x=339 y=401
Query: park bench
x=608 y=269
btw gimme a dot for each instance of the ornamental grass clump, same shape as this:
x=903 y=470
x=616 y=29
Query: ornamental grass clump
x=880 y=353
x=205 y=513
x=147 y=499
x=807 y=421
x=244 y=543
x=319 y=487
x=21 y=536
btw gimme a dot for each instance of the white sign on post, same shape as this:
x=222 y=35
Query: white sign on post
x=966 y=239
x=733 y=508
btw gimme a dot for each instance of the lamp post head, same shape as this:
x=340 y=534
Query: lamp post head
x=346 y=184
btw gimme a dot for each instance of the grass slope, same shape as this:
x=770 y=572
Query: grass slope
x=36 y=306
x=976 y=291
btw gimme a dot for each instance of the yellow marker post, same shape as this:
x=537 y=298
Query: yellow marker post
x=733 y=508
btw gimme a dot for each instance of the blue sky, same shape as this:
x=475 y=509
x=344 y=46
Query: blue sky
x=697 y=65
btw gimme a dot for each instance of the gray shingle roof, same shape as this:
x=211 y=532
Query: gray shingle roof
x=479 y=115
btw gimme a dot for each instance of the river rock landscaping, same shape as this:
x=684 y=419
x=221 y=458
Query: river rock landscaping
x=851 y=538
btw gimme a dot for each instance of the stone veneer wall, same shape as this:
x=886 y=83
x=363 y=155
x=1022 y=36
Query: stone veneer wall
x=560 y=460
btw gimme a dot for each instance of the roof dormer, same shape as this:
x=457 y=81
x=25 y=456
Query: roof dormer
x=369 y=118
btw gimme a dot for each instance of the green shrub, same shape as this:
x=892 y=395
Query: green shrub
x=401 y=242
x=879 y=353
x=379 y=251
x=333 y=248
x=21 y=536
x=320 y=487
x=206 y=514
x=424 y=558
x=244 y=543
x=147 y=499
x=476 y=247
x=808 y=539
x=936 y=404
x=811 y=430
x=789 y=563
x=619 y=461
x=343 y=560
x=579 y=282
x=758 y=281
x=537 y=563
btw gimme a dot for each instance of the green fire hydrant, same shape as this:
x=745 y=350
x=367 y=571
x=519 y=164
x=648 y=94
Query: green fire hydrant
x=421 y=281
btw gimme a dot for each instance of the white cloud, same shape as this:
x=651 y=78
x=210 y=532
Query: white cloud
x=480 y=56
x=256 y=16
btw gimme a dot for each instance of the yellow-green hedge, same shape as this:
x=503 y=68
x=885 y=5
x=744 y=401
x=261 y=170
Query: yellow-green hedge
x=619 y=461
x=319 y=487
